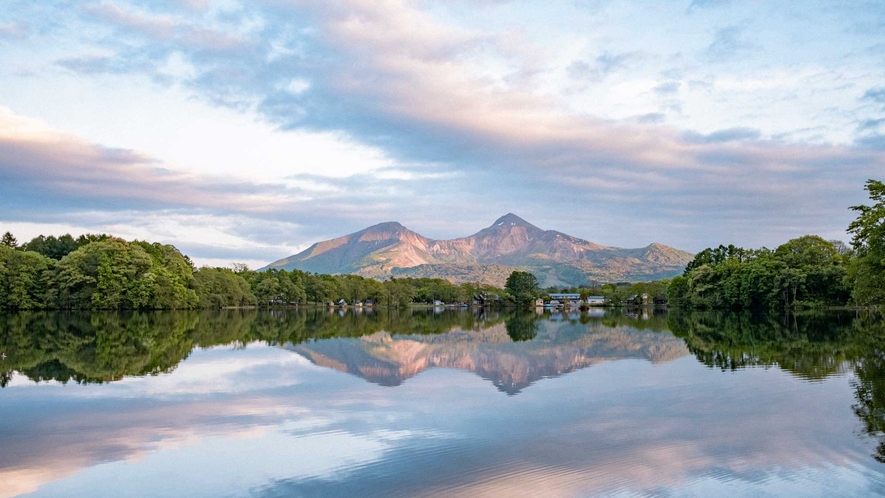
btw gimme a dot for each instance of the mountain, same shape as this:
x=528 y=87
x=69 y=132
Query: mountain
x=510 y=243
x=559 y=348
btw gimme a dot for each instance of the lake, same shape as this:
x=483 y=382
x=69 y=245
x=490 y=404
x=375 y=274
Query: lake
x=441 y=403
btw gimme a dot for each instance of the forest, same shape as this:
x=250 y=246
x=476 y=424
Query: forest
x=804 y=273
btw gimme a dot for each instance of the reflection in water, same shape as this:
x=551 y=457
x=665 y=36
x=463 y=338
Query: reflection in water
x=812 y=346
x=512 y=355
x=157 y=393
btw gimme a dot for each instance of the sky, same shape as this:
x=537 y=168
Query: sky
x=246 y=131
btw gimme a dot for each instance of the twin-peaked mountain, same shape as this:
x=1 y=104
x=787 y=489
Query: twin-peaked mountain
x=390 y=249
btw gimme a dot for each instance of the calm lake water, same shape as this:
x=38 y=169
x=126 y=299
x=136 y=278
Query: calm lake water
x=455 y=404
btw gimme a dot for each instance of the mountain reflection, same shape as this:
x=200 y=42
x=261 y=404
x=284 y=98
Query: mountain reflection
x=580 y=435
x=510 y=350
x=512 y=355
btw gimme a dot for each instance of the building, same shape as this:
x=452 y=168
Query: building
x=568 y=300
x=565 y=297
x=595 y=300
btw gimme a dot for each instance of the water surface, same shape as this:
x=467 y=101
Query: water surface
x=285 y=403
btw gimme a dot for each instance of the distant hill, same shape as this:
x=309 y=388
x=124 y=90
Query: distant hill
x=557 y=259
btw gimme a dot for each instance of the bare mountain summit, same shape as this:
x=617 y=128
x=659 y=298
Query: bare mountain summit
x=510 y=243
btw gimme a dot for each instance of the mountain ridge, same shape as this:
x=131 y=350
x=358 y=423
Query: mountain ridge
x=390 y=249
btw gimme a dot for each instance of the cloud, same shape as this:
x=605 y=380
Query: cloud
x=870 y=124
x=729 y=135
x=875 y=141
x=604 y=65
x=876 y=95
x=14 y=30
x=702 y=4
x=668 y=89
x=728 y=43
x=436 y=97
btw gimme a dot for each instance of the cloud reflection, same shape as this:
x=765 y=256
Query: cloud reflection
x=261 y=421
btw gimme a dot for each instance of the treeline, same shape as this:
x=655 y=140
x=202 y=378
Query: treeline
x=101 y=272
x=806 y=272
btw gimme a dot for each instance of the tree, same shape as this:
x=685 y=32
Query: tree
x=867 y=270
x=523 y=286
x=8 y=240
x=52 y=247
x=239 y=268
x=25 y=280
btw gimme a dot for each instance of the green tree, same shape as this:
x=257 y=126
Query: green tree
x=54 y=247
x=220 y=287
x=26 y=280
x=115 y=274
x=9 y=240
x=523 y=287
x=867 y=270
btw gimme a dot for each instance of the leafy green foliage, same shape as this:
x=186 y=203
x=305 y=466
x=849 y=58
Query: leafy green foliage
x=115 y=274
x=59 y=247
x=867 y=271
x=804 y=272
x=221 y=287
x=25 y=280
x=522 y=287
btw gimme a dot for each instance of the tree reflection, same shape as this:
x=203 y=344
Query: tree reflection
x=104 y=347
x=522 y=326
x=869 y=384
x=811 y=346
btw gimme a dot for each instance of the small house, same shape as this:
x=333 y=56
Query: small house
x=568 y=300
x=595 y=300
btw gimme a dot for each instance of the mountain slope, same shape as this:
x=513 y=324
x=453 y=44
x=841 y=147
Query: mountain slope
x=390 y=249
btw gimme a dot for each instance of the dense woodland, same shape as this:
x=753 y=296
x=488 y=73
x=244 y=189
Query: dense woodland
x=806 y=272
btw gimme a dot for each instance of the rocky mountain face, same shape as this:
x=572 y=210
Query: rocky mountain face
x=557 y=259
x=559 y=348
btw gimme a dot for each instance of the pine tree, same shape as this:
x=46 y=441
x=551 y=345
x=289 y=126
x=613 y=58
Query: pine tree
x=9 y=240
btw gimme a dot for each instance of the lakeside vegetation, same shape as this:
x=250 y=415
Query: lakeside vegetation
x=806 y=272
